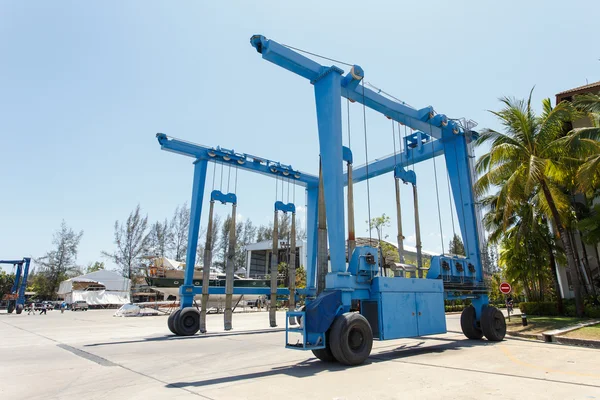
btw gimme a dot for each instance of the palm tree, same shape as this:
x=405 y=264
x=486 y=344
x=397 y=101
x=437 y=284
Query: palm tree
x=525 y=163
x=588 y=174
x=526 y=229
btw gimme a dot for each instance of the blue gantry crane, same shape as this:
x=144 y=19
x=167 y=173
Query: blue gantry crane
x=16 y=297
x=357 y=303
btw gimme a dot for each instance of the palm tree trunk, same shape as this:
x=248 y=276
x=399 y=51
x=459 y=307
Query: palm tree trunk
x=586 y=265
x=559 y=302
x=580 y=269
x=566 y=241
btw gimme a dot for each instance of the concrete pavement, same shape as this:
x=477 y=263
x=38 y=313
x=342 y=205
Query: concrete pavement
x=94 y=355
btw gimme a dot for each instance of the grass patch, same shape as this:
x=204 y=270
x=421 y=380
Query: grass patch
x=589 y=332
x=540 y=324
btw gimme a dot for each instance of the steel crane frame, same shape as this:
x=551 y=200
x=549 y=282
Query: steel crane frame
x=17 y=293
x=389 y=307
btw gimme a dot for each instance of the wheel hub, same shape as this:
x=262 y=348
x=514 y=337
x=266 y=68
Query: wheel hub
x=355 y=339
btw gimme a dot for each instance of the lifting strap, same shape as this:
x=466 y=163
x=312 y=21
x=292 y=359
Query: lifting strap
x=292 y=269
x=399 y=222
x=322 y=262
x=351 y=230
x=274 y=265
x=418 y=232
x=206 y=268
x=229 y=271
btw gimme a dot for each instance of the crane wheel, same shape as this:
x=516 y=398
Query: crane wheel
x=351 y=339
x=171 y=321
x=11 y=307
x=493 y=324
x=325 y=354
x=468 y=323
x=187 y=322
x=19 y=308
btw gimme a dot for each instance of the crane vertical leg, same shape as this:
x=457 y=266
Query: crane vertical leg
x=329 y=121
x=312 y=194
x=322 y=265
x=186 y=291
x=229 y=272
x=274 y=265
x=457 y=163
x=206 y=268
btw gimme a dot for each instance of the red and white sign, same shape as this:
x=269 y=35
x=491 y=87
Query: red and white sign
x=505 y=287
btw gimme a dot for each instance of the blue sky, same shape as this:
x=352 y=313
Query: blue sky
x=85 y=86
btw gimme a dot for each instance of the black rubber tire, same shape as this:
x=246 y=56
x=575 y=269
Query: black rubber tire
x=188 y=322
x=493 y=324
x=171 y=321
x=11 y=307
x=19 y=308
x=325 y=354
x=351 y=339
x=468 y=324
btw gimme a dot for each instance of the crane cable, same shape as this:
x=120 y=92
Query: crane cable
x=367 y=160
x=437 y=194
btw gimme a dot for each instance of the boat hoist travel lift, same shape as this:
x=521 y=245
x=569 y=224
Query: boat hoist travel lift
x=355 y=303
x=16 y=297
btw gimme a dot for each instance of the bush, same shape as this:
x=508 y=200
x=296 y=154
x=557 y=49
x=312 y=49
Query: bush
x=592 y=312
x=539 y=308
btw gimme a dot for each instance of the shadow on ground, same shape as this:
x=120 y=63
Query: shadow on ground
x=194 y=337
x=313 y=366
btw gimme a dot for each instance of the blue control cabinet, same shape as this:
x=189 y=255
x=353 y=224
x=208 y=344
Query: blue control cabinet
x=405 y=307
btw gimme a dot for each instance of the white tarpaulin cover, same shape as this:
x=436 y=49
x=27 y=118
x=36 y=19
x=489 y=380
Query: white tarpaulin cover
x=115 y=288
x=99 y=297
x=111 y=280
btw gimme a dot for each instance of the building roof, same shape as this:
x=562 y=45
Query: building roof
x=567 y=94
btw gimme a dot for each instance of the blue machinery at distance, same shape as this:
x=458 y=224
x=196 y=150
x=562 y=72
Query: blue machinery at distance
x=356 y=303
x=16 y=297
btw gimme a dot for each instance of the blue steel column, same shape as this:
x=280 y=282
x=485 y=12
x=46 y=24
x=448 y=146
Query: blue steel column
x=21 y=299
x=17 y=281
x=187 y=290
x=457 y=163
x=329 y=119
x=312 y=212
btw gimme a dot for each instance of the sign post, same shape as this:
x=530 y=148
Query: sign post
x=505 y=288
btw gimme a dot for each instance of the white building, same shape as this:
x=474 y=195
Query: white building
x=96 y=288
x=258 y=256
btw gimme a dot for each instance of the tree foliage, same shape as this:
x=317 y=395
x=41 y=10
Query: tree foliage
x=131 y=241
x=178 y=235
x=547 y=175
x=6 y=282
x=93 y=267
x=456 y=246
x=60 y=263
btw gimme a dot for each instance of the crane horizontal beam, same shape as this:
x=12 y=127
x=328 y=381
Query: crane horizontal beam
x=240 y=160
x=387 y=164
x=422 y=119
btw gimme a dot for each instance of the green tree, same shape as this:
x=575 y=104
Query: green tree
x=526 y=163
x=177 y=238
x=6 y=282
x=93 y=267
x=159 y=238
x=59 y=263
x=378 y=224
x=131 y=243
x=456 y=246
